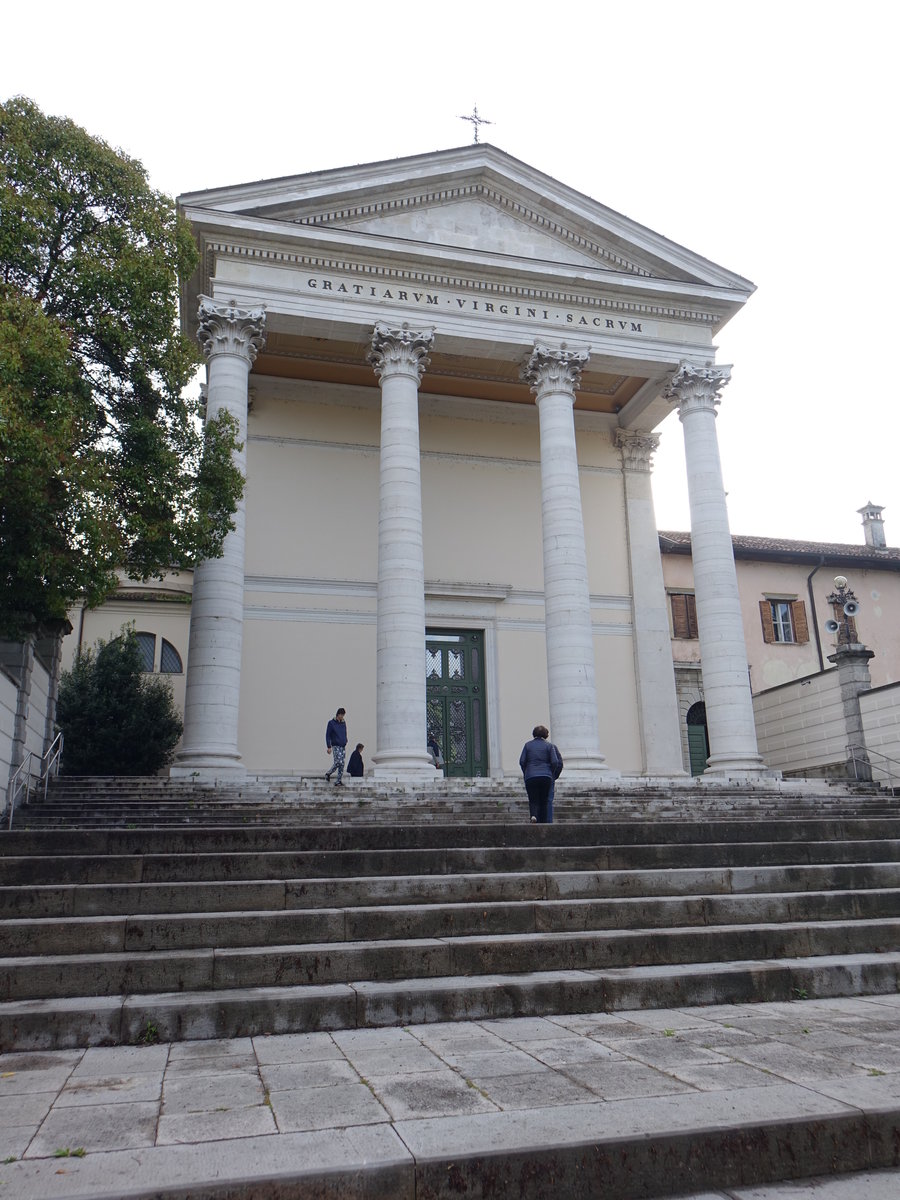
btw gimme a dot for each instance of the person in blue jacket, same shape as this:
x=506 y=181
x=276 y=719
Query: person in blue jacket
x=540 y=763
x=336 y=743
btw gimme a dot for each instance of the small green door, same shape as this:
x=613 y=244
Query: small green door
x=454 y=682
x=698 y=738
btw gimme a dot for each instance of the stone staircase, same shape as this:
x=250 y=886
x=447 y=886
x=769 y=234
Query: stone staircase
x=311 y=910
x=123 y=803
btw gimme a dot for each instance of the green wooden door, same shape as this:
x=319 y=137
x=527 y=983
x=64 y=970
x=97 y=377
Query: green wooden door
x=698 y=738
x=454 y=680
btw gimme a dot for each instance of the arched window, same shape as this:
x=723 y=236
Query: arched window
x=169 y=659
x=147 y=645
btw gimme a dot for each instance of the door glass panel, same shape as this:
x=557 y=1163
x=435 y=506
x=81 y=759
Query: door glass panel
x=476 y=730
x=459 y=749
x=455 y=662
x=432 y=664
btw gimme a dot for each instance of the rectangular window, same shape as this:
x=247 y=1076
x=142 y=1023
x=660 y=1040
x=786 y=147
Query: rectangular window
x=684 y=614
x=784 y=621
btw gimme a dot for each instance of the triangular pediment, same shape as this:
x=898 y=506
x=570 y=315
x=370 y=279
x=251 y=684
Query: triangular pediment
x=476 y=199
x=479 y=217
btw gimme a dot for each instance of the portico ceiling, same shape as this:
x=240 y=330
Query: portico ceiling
x=290 y=357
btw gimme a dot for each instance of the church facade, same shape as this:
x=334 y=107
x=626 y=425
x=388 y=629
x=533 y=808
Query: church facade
x=446 y=371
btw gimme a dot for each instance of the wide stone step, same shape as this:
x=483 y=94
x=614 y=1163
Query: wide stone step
x=331 y=836
x=280 y=927
x=169 y=868
x=131 y=899
x=91 y=1020
x=330 y=962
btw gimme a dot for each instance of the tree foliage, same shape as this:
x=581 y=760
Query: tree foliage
x=104 y=460
x=116 y=720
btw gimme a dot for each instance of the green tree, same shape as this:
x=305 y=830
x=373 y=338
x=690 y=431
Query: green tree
x=104 y=459
x=116 y=720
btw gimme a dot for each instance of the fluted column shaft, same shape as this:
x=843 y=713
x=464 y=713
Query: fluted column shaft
x=230 y=337
x=554 y=375
x=399 y=357
x=654 y=671
x=723 y=652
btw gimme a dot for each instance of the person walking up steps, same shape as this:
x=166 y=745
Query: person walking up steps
x=336 y=743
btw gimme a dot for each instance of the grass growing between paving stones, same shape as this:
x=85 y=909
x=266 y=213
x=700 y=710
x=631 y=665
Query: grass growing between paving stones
x=65 y=1152
x=149 y=1035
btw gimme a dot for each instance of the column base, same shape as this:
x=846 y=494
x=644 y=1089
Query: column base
x=208 y=767
x=740 y=769
x=585 y=767
x=404 y=766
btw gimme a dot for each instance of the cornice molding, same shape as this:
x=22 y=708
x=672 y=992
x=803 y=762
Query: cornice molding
x=481 y=192
x=470 y=283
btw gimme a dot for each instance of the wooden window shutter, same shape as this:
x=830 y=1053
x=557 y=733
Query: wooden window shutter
x=768 y=626
x=798 y=614
x=690 y=604
x=684 y=615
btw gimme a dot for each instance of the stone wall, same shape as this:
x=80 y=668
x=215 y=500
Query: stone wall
x=880 y=709
x=800 y=726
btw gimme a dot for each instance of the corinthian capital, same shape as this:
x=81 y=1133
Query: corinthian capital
x=637 y=449
x=229 y=329
x=550 y=369
x=694 y=388
x=402 y=351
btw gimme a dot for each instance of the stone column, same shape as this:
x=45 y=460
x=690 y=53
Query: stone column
x=231 y=338
x=554 y=375
x=399 y=357
x=723 y=653
x=852 y=662
x=655 y=672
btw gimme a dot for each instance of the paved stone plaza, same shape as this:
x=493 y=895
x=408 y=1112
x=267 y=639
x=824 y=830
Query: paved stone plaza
x=426 y=1110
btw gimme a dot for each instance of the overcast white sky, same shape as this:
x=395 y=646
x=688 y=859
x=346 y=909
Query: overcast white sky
x=760 y=134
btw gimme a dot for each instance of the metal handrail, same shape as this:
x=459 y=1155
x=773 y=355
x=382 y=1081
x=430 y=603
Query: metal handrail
x=22 y=779
x=17 y=783
x=865 y=754
x=53 y=757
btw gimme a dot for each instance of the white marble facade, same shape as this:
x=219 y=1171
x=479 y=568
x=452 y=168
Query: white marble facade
x=457 y=365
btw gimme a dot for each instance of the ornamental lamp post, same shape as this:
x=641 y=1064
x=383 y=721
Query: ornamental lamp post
x=845 y=606
x=852 y=661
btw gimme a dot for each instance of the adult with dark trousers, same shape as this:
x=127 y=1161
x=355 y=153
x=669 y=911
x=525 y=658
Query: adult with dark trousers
x=539 y=761
x=336 y=743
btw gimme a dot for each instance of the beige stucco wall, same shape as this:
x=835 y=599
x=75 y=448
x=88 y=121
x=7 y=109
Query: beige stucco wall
x=311 y=565
x=771 y=664
x=312 y=562
x=165 y=619
x=800 y=725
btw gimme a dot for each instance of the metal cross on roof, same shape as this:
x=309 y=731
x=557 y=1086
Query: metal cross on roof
x=476 y=121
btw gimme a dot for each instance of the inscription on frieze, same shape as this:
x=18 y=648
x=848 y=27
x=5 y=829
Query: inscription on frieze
x=439 y=300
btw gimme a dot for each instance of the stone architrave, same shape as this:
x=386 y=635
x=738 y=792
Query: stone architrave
x=660 y=732
x=399 y=357
x=231 y=336
x=554 y=374
x=723 y=653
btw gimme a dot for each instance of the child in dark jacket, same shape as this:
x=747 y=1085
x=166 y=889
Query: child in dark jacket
x=355 y=767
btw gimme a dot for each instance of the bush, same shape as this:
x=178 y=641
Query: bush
x=116 y=720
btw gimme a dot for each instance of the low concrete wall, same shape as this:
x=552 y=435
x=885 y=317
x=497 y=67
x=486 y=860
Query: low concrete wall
x=800 y=726
x=8 y=694
x=880 y=710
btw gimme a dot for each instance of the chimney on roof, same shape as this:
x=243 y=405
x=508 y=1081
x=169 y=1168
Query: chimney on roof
x=873 y=525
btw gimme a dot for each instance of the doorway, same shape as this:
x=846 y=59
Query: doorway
x=455 y=699
x=698 y=737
